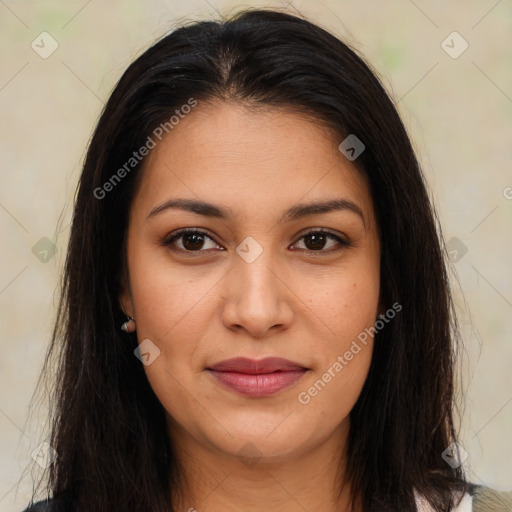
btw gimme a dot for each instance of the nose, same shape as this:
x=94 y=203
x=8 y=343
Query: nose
x=258 y=299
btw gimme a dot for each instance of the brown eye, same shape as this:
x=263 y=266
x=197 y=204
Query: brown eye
x=192 y=240
x=315 y=241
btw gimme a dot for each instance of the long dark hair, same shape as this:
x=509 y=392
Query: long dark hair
x=108 y=427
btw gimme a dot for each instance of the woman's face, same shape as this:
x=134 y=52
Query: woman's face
x=253 y=283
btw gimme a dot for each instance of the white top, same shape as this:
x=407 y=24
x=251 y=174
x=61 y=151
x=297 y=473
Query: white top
x=466 y=505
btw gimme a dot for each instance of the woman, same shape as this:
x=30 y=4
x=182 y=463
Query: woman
x=256 y=313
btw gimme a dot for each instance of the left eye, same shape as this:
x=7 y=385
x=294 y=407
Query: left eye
x=316 y=240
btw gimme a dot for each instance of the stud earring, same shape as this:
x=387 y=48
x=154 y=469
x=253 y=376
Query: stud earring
x=129 y=326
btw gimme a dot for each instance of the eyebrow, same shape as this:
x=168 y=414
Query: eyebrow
x=294 y=213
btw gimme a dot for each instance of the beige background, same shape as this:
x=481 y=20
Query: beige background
x=458 y=112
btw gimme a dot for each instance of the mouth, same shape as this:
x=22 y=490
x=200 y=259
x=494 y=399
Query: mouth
x=253 y=378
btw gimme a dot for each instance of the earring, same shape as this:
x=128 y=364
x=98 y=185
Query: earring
x=129 y=325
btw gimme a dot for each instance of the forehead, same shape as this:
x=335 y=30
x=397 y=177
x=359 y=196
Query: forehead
x=251 y=160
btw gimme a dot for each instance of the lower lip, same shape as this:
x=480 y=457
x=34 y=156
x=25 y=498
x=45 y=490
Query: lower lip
x=264 y=384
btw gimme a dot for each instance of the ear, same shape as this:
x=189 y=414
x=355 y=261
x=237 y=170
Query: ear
x=125 y=295
x=125 y=303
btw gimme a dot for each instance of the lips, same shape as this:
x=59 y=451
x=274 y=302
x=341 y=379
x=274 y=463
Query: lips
x=253 y=366
x=257 y=378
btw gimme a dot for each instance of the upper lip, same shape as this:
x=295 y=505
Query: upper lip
x=254 y=366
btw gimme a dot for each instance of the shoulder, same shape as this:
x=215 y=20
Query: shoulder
x=486 y=499
x=46 y=505
x=41 y=506
x=478 y=498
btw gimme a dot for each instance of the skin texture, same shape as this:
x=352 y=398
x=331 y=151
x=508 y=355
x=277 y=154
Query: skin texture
x=208 y=305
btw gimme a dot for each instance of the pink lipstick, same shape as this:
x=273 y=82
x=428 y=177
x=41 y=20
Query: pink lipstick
x=257 y=378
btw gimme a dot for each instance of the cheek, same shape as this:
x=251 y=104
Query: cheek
x=347 y=313
x=345 y=306
x=342 y=302
x=332 y=393
x=167 y=296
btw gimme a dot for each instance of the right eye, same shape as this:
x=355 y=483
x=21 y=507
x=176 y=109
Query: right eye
x=192 y=240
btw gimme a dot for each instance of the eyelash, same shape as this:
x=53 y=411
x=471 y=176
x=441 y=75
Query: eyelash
x=168 y=241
